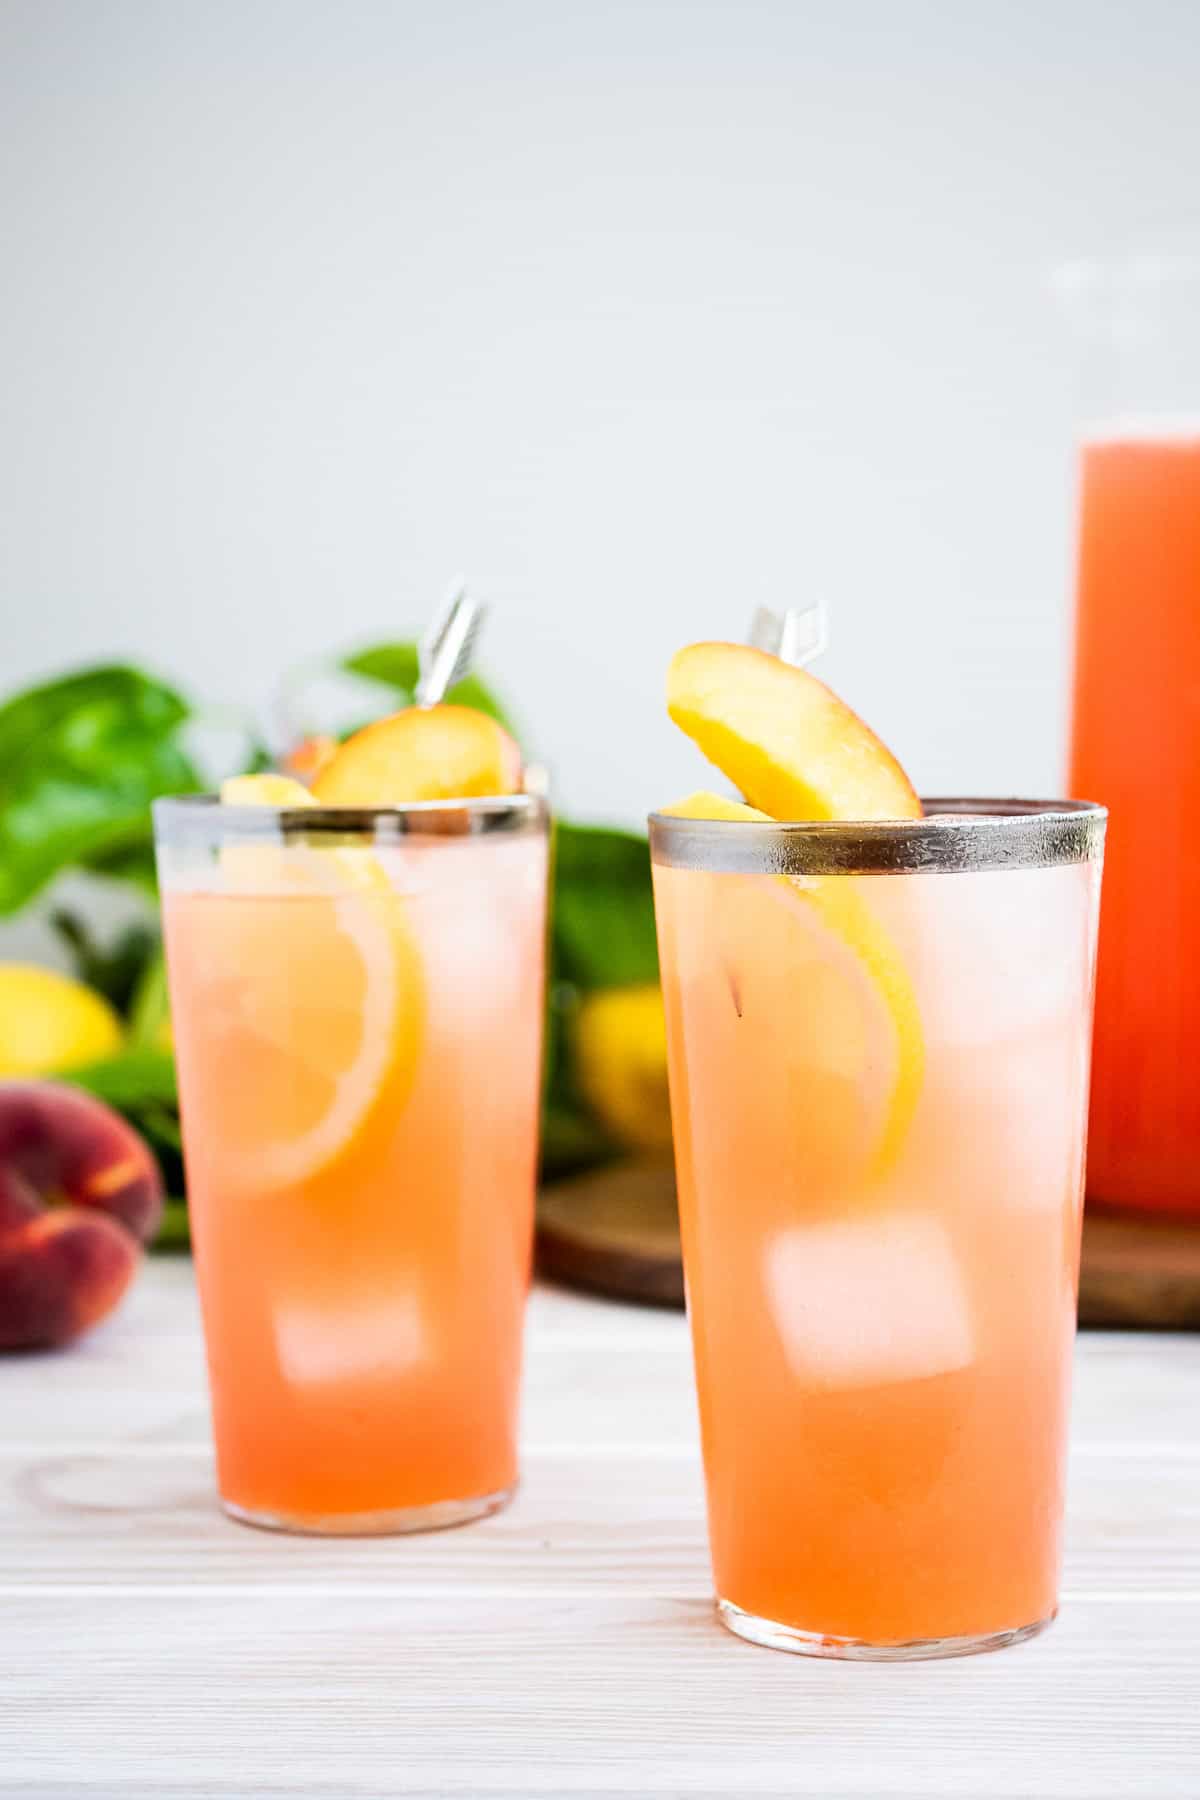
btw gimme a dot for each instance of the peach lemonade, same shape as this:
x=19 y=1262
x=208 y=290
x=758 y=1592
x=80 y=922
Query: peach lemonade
x=356 y=986
x=878 y=1023
x=1139 y=558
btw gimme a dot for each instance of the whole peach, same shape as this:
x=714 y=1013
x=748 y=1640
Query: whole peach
x=79 y=1193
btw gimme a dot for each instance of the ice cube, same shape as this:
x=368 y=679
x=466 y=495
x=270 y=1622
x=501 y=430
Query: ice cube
x=474 y=909
x=861 y=1302
x=356 y=1338
x=997 y=953
x=1019 y=1108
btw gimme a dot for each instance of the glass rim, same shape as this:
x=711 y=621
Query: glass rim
x=205 y=816
x=956 y=835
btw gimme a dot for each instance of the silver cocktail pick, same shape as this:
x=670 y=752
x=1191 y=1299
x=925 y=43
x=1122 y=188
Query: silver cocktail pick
x=445 y=651
x=796 y=635
x=444 y=656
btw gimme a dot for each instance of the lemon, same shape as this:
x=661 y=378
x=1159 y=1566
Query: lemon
x=50 y=1022
x=835 y=1014
x=621 y=1058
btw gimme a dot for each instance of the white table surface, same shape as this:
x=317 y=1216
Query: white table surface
x=566 y=1646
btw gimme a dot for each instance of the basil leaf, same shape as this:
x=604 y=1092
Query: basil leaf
x=116 y=969
x=81 y=759
x=603 y=908
x=131 y=1080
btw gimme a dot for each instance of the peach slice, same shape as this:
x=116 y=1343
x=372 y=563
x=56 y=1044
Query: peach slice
x=422 y=753
x=307 y=758
x=793 y=748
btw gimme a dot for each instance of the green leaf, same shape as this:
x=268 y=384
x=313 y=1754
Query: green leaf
x=137 y=1078
x=114 y=969
x=259 y=761
x=81 y=759
x=603 y=918
x=602 y=935
x=571 y=1141
x=174 y=1233
x=131 y=861
x=161 y=1125
x=395 y=665
x=149 y=1007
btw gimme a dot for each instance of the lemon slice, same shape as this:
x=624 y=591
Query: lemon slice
x=262 y=867
x=264 y=790
x=310 y=1009
x=834 y=1014
x=272 y=867
x=312 y=999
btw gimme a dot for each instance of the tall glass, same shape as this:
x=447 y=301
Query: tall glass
x=878 y=1043
x=1135 y=727
x=357 y=1002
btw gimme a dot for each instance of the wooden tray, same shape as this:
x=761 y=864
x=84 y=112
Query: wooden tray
x=1140 y=1272
x=616 y=1232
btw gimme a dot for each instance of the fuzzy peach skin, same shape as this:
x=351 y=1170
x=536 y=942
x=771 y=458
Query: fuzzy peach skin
x=79 y=1194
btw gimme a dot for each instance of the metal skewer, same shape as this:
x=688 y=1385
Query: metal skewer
x=444 y=656
x=796 y=635
x=445 y=652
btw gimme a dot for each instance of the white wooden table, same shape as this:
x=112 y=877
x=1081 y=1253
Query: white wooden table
x=567 y=1646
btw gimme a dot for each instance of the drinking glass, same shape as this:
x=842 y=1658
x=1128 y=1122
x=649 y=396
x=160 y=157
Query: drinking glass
x=356 y=999
x=878 y=1039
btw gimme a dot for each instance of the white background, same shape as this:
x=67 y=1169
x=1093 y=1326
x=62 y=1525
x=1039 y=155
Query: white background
x=637 y=314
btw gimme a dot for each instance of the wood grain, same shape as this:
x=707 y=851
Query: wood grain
x=567 y=1646
x=312 y=1695
x=583 y=1523
x=616 y=1232
x=1139 y=1272
x=615 y=1373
